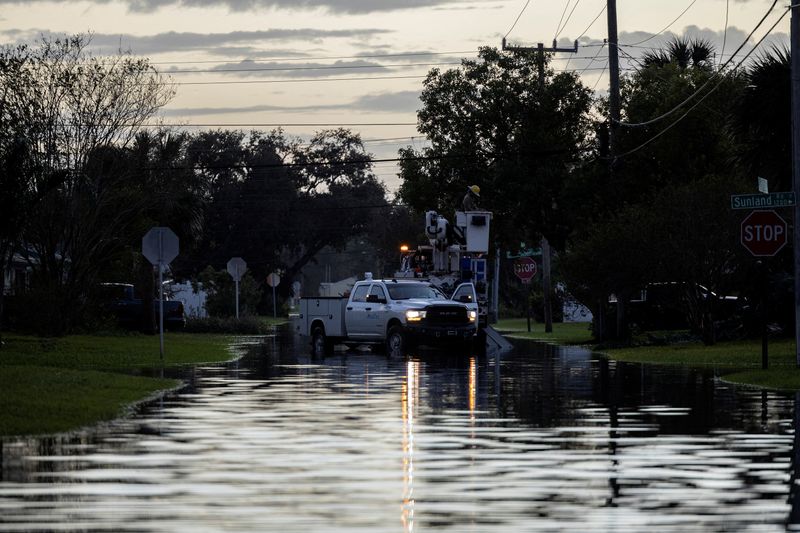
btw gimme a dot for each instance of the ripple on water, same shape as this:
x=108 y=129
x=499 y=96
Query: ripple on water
x=538 y=441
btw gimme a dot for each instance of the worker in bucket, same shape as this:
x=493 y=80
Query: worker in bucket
x=470 y=201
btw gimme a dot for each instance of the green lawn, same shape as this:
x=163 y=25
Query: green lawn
x=563 y=332
x=54 y=385
x=738 y=361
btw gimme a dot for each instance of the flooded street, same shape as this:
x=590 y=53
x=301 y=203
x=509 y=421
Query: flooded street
x=543 y=439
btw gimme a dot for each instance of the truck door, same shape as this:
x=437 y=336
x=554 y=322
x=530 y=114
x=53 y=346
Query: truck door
x=376 y=313
x=465 y=294
x=355 y=316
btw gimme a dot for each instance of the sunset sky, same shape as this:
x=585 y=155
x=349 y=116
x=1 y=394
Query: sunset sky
x=311 y=64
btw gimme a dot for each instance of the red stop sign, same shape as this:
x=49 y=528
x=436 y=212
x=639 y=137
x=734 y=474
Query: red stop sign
x=763 y=233
x=525 y=269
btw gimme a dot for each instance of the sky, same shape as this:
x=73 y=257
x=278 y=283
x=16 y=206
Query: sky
x=308 y=65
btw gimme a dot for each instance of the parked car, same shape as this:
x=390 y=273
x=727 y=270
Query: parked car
x=666 y=305
x=121 y=300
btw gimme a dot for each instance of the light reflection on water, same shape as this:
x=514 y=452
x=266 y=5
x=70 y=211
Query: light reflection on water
x=546 y=439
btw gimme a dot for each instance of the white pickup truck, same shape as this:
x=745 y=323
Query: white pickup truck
x=395 y=313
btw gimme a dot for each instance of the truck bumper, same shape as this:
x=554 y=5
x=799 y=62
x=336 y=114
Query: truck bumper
x=423 y=333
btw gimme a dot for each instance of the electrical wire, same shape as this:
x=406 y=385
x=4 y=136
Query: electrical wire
x=313 y=58
x=589 y=27
x=517 y=19
x=563 y=27
x=320 y=67
x=709 y=80
x=298 y=80
x=679 y=119
x=725 y=34
x=653 y=36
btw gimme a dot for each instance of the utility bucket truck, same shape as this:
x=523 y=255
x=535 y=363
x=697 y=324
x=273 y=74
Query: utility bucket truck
x=454 y=254
x=391 y=313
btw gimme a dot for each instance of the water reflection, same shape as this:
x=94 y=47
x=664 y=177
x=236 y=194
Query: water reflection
x=546 y=439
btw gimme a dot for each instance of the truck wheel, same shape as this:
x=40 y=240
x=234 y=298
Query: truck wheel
x=320 y=345
x=395 y=341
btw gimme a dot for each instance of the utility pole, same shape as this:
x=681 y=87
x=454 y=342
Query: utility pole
x=613 y=71
x=795 y=52
x=613 y=125
x=547 y=288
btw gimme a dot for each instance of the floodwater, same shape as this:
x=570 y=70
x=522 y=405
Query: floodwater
x=543 y=439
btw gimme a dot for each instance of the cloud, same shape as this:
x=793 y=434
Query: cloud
x=391 y=102
x=189 y=41
x=332 y=6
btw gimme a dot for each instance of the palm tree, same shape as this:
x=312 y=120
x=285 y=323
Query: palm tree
x=761 y=120
x=683 y=52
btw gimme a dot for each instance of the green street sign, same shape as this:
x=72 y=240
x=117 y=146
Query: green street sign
x=523 y=252
x=760 y=201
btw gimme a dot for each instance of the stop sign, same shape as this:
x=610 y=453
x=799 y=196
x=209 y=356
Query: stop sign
x=525 y=269
x=160 y=245
x=763 y=233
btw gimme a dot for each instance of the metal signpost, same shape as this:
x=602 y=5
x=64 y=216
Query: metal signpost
x=236 y=268
x=763 y=234
x=525 y=269
x=160 y=246
x=273 y=280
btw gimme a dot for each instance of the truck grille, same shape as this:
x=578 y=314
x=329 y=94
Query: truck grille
x=450 y=315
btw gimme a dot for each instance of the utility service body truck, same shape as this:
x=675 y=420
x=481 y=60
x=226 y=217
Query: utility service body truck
x=395 y=313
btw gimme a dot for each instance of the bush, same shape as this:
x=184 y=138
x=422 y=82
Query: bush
x=243 y=326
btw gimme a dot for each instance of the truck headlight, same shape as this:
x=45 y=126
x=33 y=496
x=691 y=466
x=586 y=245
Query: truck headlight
x=473 y=316
x=415 y=315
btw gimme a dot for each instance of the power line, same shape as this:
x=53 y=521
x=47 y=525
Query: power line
x=276 y=124
x=366 y=160
x=711 y=78
x=321 y=67
x=517 y=19
x=299 y=80
x=561 y=28
x=725 y=34
x=653 y=36
x=592 y=22
x=679 y=119
x=317 y=58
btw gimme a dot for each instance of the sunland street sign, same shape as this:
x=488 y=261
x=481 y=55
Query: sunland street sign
x=759 y=201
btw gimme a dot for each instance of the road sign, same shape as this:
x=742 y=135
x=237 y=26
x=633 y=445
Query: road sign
x=160 y=246
x=525 y=269
x=756 y=201
x=236 y=268
x=763 y=233
x=273 y=280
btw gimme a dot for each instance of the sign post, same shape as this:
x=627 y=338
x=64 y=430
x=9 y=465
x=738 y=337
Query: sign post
x=236 y=268
x=525 y=269
x=273 y=280
x=160 y=246
x=763 y=234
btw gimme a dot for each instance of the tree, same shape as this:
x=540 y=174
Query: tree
x=664 y=215
x=494 y=123
x=83 y=111
x=762 y=120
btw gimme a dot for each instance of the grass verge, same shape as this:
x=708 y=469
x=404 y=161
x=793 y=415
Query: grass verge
x=738 y=361
x=563 y=332
x=55 y=385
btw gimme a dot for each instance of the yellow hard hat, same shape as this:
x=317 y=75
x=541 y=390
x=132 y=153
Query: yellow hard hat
x=475 y=190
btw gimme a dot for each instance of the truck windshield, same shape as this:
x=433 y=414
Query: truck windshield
x=406 y=291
